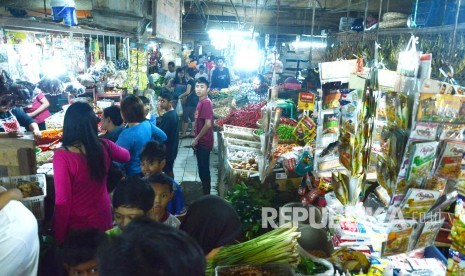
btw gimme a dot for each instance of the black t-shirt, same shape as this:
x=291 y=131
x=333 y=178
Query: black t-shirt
x=23 y=119
x=220 y=78
x=192 y=99
x=169 y=123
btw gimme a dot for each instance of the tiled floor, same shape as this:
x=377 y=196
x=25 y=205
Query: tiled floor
x=185 y=166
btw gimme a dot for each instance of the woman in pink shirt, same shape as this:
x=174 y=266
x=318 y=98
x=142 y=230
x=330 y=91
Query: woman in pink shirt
x=80 y=174
x=39 y=110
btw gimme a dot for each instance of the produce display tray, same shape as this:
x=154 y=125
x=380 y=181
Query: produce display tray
x=56 y=120
x=243 y=133
x=236 y=175
x=232 y=148
x=34 y=204
x=239 y=142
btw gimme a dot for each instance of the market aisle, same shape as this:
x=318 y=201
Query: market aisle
x=185 y=166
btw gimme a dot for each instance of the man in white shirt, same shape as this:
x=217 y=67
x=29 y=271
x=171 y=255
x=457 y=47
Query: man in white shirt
x=171 y=71
x=201 y=73
x=19 y=239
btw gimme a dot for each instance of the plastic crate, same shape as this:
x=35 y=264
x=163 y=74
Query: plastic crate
x=236 y=175
x=243 y=143
x=271 y=268
x=232 y=148
x=427 y=13
x=243 y=133
x=34 y=204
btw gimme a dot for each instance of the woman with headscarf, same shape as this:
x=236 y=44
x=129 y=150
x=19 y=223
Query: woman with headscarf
x=255 y=93
x=213 y=223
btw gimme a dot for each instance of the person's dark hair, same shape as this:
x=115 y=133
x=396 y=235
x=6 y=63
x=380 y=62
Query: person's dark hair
x=153 y=151
x=166 y=95
x=133 y=109
x=212 y=222
x=150 y=248
x=261 y=78
x=220 y=58
x=179 y=70
x=171 y=63
x=114 y=113
x=201 y=67
x=191 y=72
x=81 y=246
x=7 y=100
x=133 y=192
x=144 y=99
x=80 y=128
x=204 y=81
x=162 y=179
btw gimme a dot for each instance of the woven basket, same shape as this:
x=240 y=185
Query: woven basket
x=390 y=16
x=397 y=23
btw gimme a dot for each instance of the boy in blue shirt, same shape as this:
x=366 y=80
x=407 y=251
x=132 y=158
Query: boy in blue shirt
x=153 y=160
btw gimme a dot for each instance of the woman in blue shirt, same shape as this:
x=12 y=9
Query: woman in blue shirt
x=138 y=132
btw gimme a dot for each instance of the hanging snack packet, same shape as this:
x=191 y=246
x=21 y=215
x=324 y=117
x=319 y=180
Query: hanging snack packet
x=305 y=127
x=331 y=123
x=450 y=160
x=428 y=233
x=425 y=131
x=331 y=95
x=452 y=132
x=421 y=160
x=455 y=263
x=398 y=237
x=435 y=183
x=418 y=201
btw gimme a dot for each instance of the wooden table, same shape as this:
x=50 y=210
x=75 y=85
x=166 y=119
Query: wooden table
x=17 y=156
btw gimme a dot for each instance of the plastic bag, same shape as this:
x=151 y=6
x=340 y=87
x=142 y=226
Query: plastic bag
x=179 y=110
x=409 y=59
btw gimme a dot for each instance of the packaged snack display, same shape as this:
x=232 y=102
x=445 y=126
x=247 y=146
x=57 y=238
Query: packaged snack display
x=450 y=160
x=305 y=129
x=331 y=95
x=452 y=132
x=429 y=231
x=425 y=131
x=417 y=202
x=441 y=108
x=421 y=160
x=397 y=109
x=331 y=123
x=398 y=240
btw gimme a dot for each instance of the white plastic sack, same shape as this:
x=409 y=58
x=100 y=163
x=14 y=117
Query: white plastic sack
x=179 y=108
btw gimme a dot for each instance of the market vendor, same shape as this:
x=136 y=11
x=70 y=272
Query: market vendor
x=213 y=223
x=255 y=93
x=12 y=118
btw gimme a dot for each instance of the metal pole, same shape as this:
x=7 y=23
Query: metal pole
x=387 y=6
x=313 y=27
x=379 y=18
x=454 y=36
x=348 y=14
x=364 y=22
x=45 y=8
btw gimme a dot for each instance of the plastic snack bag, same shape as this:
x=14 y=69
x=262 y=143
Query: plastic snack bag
x=409 y=59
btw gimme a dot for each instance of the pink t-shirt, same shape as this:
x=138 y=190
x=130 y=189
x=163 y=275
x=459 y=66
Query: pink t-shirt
x=81 y=202
x=40 y=118
x=203 y=112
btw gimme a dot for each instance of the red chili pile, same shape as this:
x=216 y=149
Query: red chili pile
x=246 y=116
x=287 y=121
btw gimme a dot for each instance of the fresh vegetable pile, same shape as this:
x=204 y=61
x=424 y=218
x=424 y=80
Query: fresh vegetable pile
x=309 y=267
x=287 y=121
x=246 y=116
x=282 y=149
x=285 y=132
x=276 y=246
x=221 y=112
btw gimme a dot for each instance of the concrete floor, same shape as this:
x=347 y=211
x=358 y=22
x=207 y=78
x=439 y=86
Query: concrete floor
x=185 y=166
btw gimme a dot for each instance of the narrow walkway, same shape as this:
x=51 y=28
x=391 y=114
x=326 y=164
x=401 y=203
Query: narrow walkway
x=185 y=165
